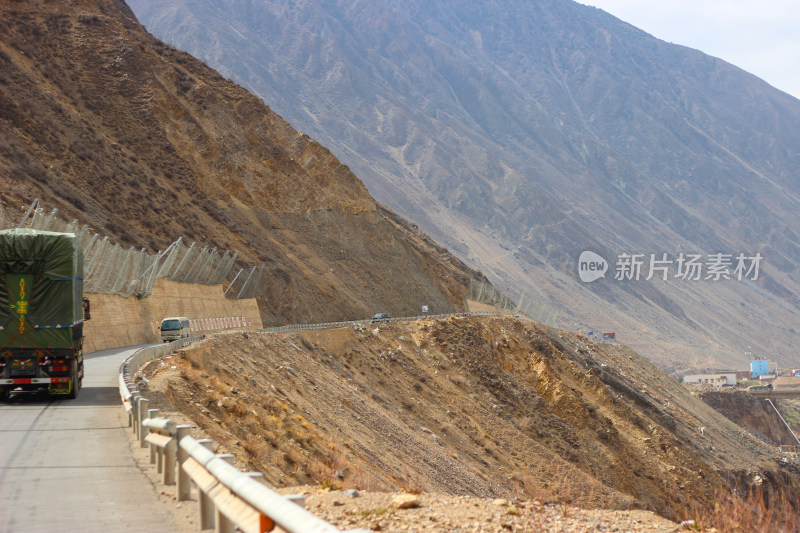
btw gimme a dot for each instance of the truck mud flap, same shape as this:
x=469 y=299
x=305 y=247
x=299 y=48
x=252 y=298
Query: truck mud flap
x=60 y=386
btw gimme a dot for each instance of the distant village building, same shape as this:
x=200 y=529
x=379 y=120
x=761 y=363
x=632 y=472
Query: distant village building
x=717 y=380
x=762 y=366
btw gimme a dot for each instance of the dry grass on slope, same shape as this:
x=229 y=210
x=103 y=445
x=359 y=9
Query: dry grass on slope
x=489 y=407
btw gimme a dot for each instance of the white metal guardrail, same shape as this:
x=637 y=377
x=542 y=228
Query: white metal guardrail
x=229 y=500
x=370 y=322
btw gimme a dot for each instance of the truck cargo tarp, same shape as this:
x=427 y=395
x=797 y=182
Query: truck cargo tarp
x=41 y=288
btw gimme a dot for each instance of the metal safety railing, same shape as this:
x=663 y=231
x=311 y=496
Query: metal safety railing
x=371 y=322
x=228 y=500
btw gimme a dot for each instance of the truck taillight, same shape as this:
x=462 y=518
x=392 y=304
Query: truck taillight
x=59 y=368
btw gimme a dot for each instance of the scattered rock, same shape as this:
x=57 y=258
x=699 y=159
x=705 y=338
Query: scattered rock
x=234 y=390
x=405 y=501
x=353 y=493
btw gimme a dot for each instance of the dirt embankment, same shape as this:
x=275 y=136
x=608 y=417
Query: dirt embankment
x=756 y=415
x=491 y=407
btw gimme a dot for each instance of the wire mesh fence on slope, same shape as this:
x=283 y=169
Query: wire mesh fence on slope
x=486 y=293
x=111 y=268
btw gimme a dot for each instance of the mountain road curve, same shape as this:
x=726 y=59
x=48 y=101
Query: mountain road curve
x=66 y=465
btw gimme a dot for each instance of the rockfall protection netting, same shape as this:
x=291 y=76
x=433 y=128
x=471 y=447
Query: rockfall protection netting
x=111 y=268
x=486 y=293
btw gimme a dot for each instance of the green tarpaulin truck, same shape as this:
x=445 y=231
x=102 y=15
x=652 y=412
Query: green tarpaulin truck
x=42 y=310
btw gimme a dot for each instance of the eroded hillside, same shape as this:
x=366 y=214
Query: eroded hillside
x=757 y=415
x=520 y=134
x=492 y=407
x=146 y=144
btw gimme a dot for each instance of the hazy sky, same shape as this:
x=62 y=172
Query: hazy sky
x=759 y=36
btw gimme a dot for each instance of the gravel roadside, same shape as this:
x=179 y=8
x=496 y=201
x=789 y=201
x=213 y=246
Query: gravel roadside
x=379 y=511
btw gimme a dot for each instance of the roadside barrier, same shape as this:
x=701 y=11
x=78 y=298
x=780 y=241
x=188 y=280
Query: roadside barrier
x=229 y=500
x=163 y=446
x=219 y=323
x=371 y=323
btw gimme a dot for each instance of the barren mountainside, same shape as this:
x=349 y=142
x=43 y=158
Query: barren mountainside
x=520 y=134
x=494 y=407
x=146 y=144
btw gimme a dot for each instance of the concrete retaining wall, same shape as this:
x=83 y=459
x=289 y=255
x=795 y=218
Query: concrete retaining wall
x=118 y=321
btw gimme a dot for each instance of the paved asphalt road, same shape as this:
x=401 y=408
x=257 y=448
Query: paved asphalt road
x=66 y=465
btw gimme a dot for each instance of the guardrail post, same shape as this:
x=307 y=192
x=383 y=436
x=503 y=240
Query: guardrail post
x=206 y=504
x=206 y=511
x=184 y=485
x=224 y=524
x=134 y=411
x=141 y=415
x=169 y=461
x=152 y=413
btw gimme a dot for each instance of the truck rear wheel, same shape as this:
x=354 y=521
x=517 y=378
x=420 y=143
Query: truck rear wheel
x=5 y=392
x=75 y=382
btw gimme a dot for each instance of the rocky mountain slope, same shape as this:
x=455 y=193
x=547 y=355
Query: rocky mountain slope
x=491 y=407
x=521 y=133
x=146 y=144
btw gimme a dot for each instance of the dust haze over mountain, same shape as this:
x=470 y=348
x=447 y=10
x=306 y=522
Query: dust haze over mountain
x=520 y=134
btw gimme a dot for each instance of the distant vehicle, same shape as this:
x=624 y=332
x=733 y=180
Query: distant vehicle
x=42 y=310
x=380 y=317
x=174 y=328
